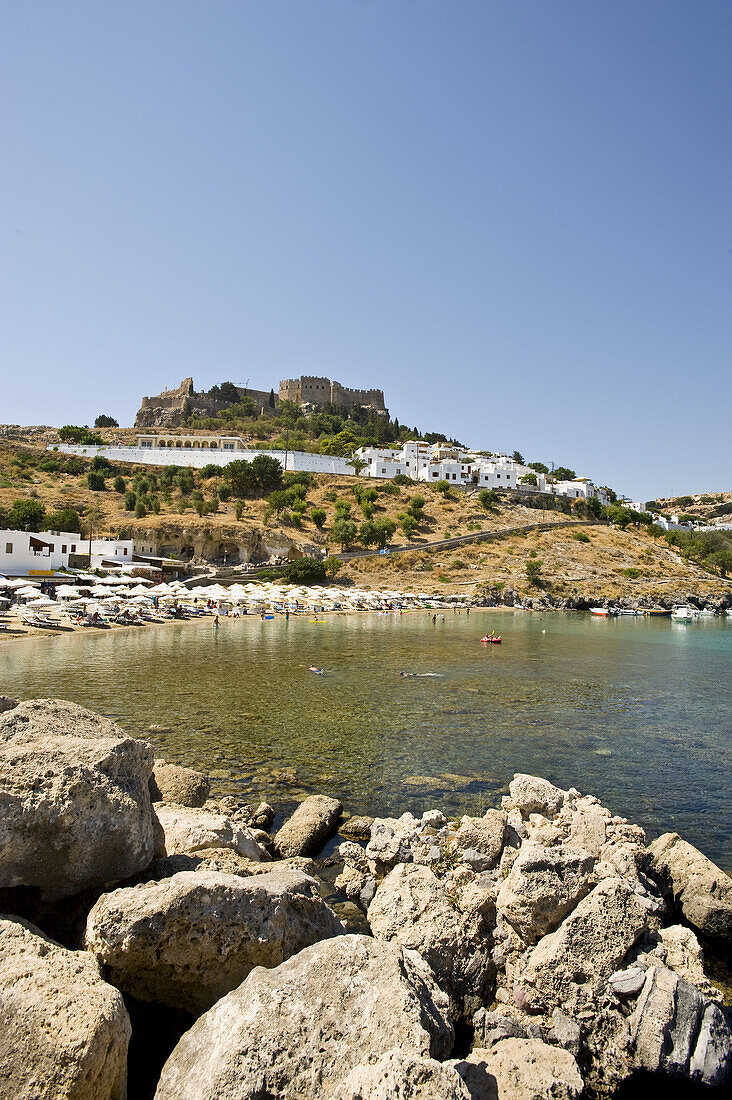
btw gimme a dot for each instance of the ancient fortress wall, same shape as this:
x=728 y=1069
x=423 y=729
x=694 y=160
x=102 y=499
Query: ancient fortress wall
x=316 y=390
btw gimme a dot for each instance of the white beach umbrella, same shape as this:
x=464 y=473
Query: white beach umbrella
x=138 y=590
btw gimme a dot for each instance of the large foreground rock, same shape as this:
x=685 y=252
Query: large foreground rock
x=699 y=888
x=571 y=964
x=449 y=926
x=677 y=1031
x=189 y=939
x=74 y=796
x=544 y=884
x=63 y=1031
x=312 y=823
x=300 y=1029
x=532 y=794
x=404 y=1076
x=521 y=1069
x=184 y=786
x=188 y=830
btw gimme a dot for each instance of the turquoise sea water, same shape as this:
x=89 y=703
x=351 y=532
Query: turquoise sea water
x=635 y=711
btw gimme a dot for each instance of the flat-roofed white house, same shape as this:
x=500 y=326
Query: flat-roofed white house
x=29 y=554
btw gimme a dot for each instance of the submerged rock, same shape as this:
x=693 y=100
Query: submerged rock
x=189 y=939
x=312 y=823
x=76 y=806
x=300 y=1029
x=183 y=786
x=64 y=1032
x=702 y=891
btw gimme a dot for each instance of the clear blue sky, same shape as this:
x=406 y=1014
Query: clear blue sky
x=513 y=217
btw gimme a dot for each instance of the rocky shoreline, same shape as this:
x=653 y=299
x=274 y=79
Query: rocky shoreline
x=158 y=942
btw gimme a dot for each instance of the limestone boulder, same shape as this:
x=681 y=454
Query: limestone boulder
x=677 y=1031
x=182 y=786
x=532 y=794
x=189 y=939
x=403 y=1075
x=521 y=1069
x=357 y=827
x=189 y=831
x=222 y=859
x=449 y=925
x=312 y=823
x=543 y=885
x=698 y=888
x=484 y=835
x=391 y=840
x=567 y=967
x=76 y=810
x=300 y=1029
x=6 y=703
x=64 y=1032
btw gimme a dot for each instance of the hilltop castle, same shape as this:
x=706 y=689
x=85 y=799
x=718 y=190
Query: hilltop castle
x=170 y=408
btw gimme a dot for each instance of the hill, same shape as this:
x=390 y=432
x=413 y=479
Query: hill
x=192 y=514
x=706 y=507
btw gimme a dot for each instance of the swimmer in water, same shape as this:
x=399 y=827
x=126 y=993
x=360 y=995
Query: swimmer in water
x=317 y=671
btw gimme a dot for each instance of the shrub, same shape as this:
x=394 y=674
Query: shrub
x=318 y=517
x=105 y=422
x=488 y=499
x=211 y=469
x=581 y=536
x=407 y=523
x=140 y=510
x=99 y=462
x=73 y=466
x=238 y=508
x=343 y=532
x=631 y=573
x=130 y=500
x=305 y=571
x=401 y=479
x=71 y=433
x=95 y=481
x=224 y=491
x=390 y=489
x=119 y=484
x=442 y=486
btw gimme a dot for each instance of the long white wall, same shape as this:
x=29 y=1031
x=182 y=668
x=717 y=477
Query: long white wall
x=187 y=456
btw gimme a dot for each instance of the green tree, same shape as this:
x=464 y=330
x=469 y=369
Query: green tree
x=229 y=392
x=64 y=519
x=130 y=500
x=71 y=433
x=407 y=523
x=539 y=467
x=267 y=473
x=533 y=571
x=185 y=480
x=384 y=531
x=563 y=473
x=26 y=515
x=271 y=401
x=401 y=479
x=416 y=507
x=518 y=457
x=119 y=484
x=720 y=561
x=343 y=532
x=305 y=571
x=333 y=565
x=528 y=479
x=357 y=463
x=279 y=500
x=442 y=486
x=105 y=422
x=318 y=516
x=140 y=510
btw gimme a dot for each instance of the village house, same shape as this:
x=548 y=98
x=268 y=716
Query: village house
x=31 y=554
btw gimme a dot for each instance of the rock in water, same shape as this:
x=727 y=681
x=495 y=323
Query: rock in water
x=300 y=1029
x=451 y=929
x=188 y=940
x=312 y=823
x=63 y=1031
x=521 y=1069
x=76 y=805
x=700 y=889
x=569 y=965
x=184 y=786
x=189 y=830
x=403 y=1075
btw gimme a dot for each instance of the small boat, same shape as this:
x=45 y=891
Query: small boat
x=684 y=614
x=601 y=611
x=657 y=611
x=491 y=641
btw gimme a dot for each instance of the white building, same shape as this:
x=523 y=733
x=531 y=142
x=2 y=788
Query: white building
x=31 y=554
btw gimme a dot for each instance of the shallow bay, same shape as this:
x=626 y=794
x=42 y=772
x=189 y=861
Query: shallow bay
x=635 y=711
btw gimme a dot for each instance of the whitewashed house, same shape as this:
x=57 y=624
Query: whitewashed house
x=31 y=554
